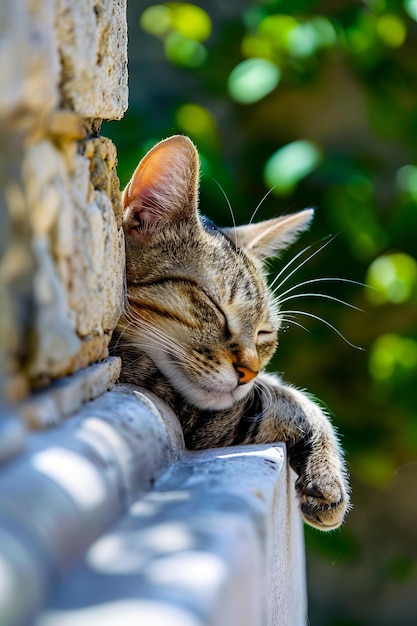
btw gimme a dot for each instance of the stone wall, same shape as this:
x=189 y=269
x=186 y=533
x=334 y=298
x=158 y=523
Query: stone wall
x=63 y=69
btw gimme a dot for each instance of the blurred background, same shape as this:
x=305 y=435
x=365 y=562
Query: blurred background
x=315 y=101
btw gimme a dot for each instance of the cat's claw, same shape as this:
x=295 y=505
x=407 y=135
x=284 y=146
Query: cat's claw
x=323 y=501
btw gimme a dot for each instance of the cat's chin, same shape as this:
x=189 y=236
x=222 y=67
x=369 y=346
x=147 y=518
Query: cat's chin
x=213 y=395
x=217 y=399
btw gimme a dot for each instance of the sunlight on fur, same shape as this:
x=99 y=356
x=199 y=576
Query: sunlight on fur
x=201 y=324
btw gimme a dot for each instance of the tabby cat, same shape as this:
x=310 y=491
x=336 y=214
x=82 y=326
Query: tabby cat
x=200 y=325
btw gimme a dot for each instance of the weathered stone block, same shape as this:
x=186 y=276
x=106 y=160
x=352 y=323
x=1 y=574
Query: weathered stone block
x=62 y=247
x=78 y=253
x=29 y=66
x=97 y=264
x=103 y=156
x=47 y=194
x=65 y=396
x=92 y=38
x=17 y=268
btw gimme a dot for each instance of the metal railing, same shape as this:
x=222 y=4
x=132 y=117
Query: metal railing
x=107 y=519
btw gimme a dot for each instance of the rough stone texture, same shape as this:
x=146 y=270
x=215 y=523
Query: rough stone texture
x=47 y=188
x=16 y=271
x=216 y=542
x=62 y=70
x=93 y=48
x=29 y=66
x=66 y=395
x=103 y=160
x=97 y=264
x=79 y=255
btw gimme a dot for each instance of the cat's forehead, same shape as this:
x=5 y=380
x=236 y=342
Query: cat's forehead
x=202 y=253
x=232 y=271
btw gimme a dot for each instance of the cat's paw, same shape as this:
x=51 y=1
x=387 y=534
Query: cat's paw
x=323 y=498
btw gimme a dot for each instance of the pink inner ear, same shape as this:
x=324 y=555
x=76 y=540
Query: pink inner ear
x=142 y=212
x=163 y=187
x=141 y=202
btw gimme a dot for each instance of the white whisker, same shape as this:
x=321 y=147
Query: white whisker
x=284 y=280
x=239 y=248
x=143 y=329
x=321 y=295
x=320 y=319
x=227 y=200
x=290 y=262
x=260 y=203
x=322 y=280
x=291 y=321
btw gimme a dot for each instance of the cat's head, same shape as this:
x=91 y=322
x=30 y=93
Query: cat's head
x=199 y=305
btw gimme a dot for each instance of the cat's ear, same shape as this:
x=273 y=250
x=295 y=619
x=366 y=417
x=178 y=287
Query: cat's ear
x=266 y=239
x=163 y=188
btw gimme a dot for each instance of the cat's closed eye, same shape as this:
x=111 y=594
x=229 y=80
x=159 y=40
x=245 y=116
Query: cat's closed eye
x=263 y=334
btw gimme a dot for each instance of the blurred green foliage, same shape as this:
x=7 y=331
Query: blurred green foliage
x=316 y=103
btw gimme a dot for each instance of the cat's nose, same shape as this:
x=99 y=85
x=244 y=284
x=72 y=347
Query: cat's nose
x=245 y=374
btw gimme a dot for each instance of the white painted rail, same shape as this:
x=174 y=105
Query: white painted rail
x=106 y=519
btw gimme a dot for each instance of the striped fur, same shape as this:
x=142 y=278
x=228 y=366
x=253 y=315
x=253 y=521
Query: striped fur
x=200 y=325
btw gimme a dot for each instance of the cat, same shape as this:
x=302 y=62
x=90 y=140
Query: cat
x=200 y=325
